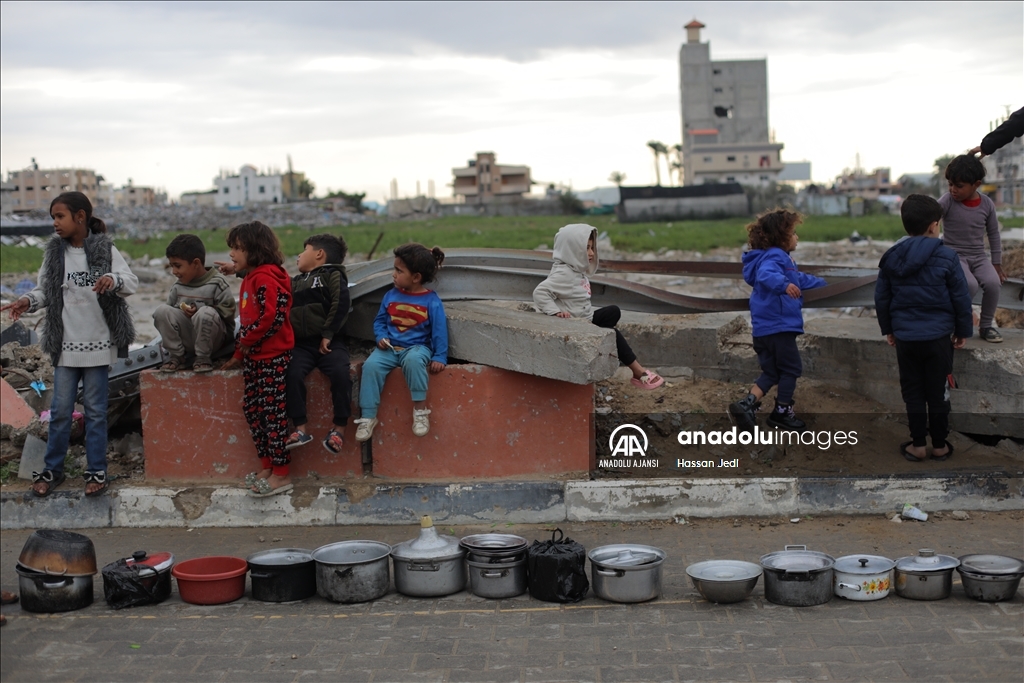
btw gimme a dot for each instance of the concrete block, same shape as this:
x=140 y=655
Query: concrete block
x=15 y=411
x=62 y=509
x=208 y=507
x=569 y=350
x=852 y=495
x=33 y=455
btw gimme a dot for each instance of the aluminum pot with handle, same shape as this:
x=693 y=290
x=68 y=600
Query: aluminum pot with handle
x=496 y=581
x=925 y=576
x=626 y=572
x=863 y=577
x=797 y=577
x=430 y=565
x=353 y=571
x=990 y=578
x=42 y=592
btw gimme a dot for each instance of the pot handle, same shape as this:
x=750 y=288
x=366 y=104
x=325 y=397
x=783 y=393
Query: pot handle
x=46 y=570
x=796 y=547
x=423 y=567
x=851 y=586
x=615 y=572
x=487 y=574
x=60 y=583
x=795 y=576
x=343 y=573
x=261 y=575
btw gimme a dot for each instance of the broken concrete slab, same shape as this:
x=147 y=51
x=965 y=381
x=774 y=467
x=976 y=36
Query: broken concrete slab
x=13 y=408
x=33 y=455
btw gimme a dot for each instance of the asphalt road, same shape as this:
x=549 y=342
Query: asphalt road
x=677 y=637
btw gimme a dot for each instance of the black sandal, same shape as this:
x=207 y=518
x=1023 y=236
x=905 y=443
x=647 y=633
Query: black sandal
x=50 y=478
x=95 y=478
x=949 y=452
x=906 y=454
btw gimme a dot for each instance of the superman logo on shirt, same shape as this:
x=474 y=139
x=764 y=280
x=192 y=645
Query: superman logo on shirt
x=405 y=315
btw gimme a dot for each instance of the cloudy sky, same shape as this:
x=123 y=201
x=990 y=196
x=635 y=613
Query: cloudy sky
x=358 y=94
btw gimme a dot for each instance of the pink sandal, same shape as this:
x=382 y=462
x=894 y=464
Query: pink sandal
x=648 y=380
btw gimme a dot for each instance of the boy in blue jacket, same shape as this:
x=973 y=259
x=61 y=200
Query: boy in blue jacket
x=924 y=310
x=775 y=315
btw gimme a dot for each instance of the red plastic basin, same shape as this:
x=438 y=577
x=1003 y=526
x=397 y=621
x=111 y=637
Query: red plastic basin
x=211 y=580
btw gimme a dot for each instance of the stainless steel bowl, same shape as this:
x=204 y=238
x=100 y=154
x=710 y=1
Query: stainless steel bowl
x=724 y=581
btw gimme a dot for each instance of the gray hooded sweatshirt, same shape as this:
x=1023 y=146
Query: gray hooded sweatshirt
x=567 y=287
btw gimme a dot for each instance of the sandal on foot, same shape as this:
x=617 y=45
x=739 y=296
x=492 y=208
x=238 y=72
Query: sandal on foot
x=648 y=380
x=296 y=439
x=202 y=366
x=907 y=454
x=262 y=489
x=50 y=478
x=95 y=478
x=949 y=452
x=173 y=365
x=334 y=441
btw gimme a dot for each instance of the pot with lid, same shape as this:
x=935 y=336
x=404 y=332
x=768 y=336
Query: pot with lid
x=494 y=548
x=58 y=552
x=282 y=574
x=352 y=571
x=925 y=576
x=798 y=577
x=990 y=578
x=863 y=577
x=626 y=572
x=724 y=581
x=42 y=592
x=141 y=579
x=430 y=565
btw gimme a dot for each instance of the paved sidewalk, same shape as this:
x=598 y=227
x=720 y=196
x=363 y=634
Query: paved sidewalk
x=678 y=637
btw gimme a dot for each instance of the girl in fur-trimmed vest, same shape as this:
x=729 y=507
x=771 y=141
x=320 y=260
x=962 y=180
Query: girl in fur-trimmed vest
x=82 y=284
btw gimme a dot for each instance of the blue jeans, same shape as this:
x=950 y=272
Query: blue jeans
x=65 y=389
x=413 y=361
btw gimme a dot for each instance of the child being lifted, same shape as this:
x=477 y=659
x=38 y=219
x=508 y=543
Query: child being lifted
x=566 y=294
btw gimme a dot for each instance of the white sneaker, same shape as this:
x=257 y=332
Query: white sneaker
x=420 y=422
x=365 y=430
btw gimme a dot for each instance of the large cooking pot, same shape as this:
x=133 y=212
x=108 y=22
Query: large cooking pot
x=925 y=576
x=352 y=571
x=282 y=575
x=495 y=548
x=42 y=592
x=53 y=551
x=990 y=578
x=863 y=577
x=141 y=579
x=797 y=577
x=496 y=581
x=429 y=565
x=626 y=572
x=724 y=581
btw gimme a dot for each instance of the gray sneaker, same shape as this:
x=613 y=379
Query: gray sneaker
x=990 y=334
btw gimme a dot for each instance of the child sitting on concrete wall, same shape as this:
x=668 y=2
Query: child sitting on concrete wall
x=411 y=332
x=199 y=316
x=566 y=294
x=776 y=316
x=924 y=310
x=320 y=303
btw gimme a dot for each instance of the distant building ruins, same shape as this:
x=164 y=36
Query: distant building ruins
x=866 y=185
x=485 y=182
x=248 y=187
x=725 y=117
x=34 y=188
x=132 y=195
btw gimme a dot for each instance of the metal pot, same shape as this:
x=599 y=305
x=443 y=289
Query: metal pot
x=863 y=577
x=282 y=575
x=352 y=571
x=41 y=592
x=489 y=580
x=141 y=579
x=724 y=581
x=52 y=551
x=990 y=578
x=626 y=572
x=926 y=576
x=495 y=548
x=429 y=565
x=797 y=577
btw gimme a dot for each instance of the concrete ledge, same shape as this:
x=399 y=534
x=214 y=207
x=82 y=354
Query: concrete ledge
x=366 y=502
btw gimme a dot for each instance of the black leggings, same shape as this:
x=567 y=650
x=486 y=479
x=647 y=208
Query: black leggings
x=608 y=317
x=924 y=366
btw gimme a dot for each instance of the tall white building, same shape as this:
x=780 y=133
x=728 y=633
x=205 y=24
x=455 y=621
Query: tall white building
x=248 y=187
x=725 y=117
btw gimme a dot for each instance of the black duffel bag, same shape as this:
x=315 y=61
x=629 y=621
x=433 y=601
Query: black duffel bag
x=557 y=569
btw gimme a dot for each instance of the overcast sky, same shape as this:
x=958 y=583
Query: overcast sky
x=358 y=94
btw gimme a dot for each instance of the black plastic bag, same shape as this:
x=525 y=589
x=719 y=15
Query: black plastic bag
x=127 y=585
x=557 y=569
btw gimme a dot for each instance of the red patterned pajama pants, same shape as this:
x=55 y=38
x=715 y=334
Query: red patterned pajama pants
x=264 y=405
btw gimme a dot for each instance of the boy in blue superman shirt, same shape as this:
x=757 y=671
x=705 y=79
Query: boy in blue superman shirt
x=775 y=315
x=411 y=332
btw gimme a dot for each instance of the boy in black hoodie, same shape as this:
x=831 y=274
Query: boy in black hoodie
x=320 y=303
x=924 y=310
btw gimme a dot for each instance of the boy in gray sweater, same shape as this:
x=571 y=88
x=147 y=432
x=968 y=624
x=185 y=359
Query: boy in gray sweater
x=199 y=316
x=967 y=216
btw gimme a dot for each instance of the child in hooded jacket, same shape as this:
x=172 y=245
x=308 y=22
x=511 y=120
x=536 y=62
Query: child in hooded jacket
x=263 y=349
x=566 y=294
x=776 y=316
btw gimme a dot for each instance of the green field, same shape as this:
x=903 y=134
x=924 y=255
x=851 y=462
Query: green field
x=514 y=233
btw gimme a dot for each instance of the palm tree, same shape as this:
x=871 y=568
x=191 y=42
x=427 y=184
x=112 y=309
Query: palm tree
x=677 y=164
x=618 y=178
x=657 y=148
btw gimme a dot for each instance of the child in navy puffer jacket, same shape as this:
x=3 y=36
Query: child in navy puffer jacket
x=924 y=310
x=776 y=316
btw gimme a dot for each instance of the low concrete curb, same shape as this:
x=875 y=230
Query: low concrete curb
x=513 y=502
